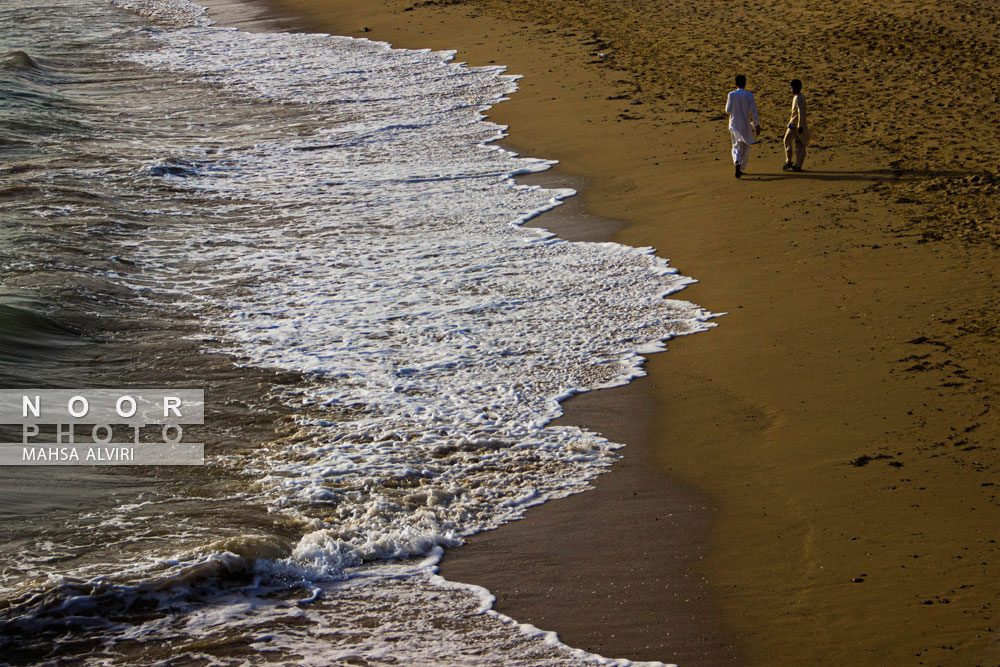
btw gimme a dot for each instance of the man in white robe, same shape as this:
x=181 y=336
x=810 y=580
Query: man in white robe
x=744 y=126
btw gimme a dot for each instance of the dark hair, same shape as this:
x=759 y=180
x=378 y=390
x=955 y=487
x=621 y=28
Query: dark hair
x=796 y=86
x=741 y=81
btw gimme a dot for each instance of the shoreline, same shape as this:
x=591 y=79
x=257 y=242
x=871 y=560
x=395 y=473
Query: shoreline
x=837 y=424
x=523 y=563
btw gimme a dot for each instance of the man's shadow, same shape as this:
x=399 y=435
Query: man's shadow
x=871 y=176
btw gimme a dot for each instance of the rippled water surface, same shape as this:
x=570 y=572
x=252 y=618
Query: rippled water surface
x=320 y=233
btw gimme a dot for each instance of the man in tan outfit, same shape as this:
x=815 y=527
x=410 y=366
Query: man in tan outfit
x=797 y=134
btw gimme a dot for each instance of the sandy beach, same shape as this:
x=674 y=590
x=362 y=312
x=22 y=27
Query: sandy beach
x=814 y=481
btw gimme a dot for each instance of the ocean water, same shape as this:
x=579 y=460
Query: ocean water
x=322 y=234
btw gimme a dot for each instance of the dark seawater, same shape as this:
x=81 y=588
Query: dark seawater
x=319 y=233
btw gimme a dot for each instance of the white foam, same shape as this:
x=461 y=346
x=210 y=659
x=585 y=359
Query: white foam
x=180 y=12
x=363 y=230
x=381 y=252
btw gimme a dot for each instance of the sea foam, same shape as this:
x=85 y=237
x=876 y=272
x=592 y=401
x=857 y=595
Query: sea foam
x=359 y=227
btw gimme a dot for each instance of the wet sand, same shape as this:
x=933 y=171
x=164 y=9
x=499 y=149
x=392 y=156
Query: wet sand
x=815 y=480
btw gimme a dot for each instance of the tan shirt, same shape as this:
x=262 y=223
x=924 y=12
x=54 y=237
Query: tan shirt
x=798 y=117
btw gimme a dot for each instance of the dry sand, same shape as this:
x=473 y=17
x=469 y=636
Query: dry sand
x=815 y=480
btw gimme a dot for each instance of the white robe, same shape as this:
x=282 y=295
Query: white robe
x=740 y=106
